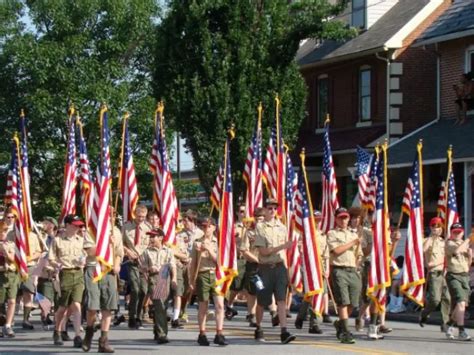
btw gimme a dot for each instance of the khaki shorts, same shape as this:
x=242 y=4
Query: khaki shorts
x=458 y=285
x=101 y=295
x=9 y=282
x=365 y=281
x=28 y=285
x=46 y=288
x=206 y=285
x=72 y=287
x=251 y=269
x=346 y=286
x=275 y=282
x=238 y=281
x=181 y=281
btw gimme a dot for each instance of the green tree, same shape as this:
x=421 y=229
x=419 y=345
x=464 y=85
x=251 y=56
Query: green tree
x=88 y=52
x=216 y=59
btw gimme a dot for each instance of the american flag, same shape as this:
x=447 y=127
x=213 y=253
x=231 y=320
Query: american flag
x=18 y=207
x=84 y=176
x=441 y=205
x=451 y=204
x=164 y=195
x=274 y=164
x=216 y=191
x=311 y=259
x=100 y=213
x=413 y=277
x=25 y=175
x=379 y=275
x=330 y=202
x=364 y=162
x=292 y=254
x=127 y=179
x=70 y=172
x=253 y=171
x=226 y=268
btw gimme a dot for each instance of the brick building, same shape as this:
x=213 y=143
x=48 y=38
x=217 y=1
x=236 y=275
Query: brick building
x=375 y=86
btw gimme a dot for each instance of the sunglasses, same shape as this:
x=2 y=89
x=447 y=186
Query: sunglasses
x=10 y=217
x=272 y=208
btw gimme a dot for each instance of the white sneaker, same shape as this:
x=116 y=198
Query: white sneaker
x=450 y=332
x=372 y=332
x=464 y=336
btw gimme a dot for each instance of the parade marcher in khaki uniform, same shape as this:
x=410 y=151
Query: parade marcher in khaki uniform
x=182 y=257
x=345 y=280
x=238 y=281
x=158 y=261
x=459 y=260
x=203 y=271
x=437 y=290
x=135 y=242
x=271 y=240
x=68 y=255
x=306 y=304
x=102 y=294
x=9 y=282
x=9 y=219
x=250 y=253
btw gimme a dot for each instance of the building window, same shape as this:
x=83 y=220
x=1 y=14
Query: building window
x=470 y=60
x=358 y=13
x=364 y=94
x=323 y=99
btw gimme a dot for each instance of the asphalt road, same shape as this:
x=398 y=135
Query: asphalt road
x=406 y=338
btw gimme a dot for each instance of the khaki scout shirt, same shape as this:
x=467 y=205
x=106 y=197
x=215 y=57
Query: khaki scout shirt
x=157 y=257
x=457 y=263
x=182 y=246
x=338 y=237
x=33 y=244
x=67 y=251
x=6 y=246
x=89 y=242
x=269 y=234
x=240 y=230
x=366 y=242
x=323 y=248
x=248 y=242
x=117 y=241
x=129 y=237
x=206 y=263
x=435 y=252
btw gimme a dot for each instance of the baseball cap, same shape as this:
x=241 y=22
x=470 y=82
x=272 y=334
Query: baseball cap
x=436 y=221
x=342 y=212
x=317 y=214
x=457 y=227
x=271 y=202
x=51 y=220
x=156 y=232
x=74 y=220
x=208 y=220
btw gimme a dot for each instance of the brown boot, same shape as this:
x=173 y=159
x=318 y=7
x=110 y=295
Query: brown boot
x=104 y=346
x=87 y=342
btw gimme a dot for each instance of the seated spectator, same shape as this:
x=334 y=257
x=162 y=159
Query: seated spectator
x=464 y=97
x=396 y=298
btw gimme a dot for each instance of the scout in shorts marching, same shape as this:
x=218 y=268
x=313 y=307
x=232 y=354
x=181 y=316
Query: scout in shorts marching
x=135 y=241
x=102 y=293
x=68 y=255
x=203 y=274
x=346 y=284
x=437 y=291
x=459 y=260
x=159 y=262
x=271 y=241
x=9 y=282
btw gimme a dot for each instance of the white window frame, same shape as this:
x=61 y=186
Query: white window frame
x=467 y=61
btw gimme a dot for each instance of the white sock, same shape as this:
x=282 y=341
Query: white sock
x=175 y=313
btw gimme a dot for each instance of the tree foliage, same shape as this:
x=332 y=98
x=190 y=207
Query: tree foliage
x=216 y=59
x=88 y=52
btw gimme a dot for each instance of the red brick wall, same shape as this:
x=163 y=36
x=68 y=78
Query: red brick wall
x=452 y=62
x=344 y=92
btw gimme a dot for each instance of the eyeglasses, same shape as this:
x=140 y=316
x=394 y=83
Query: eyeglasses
x=10 y=217
x=271 y=208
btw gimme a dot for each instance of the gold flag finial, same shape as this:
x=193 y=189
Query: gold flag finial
x=22 y=113
x=231 y=131
x=303 y=156
x=328 y=119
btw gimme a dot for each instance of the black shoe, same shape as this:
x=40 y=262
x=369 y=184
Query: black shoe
x=337 y=325
x=65 y=336
x=444 y=328
x=77 y=341
x=202 y=340
x=252 y=324
x=288 y=315
x=176 y=324
x=298 y=323
x=384 y=330
x=258 y=335
x=139 y=323
x=315 y=330
x=230 y=313
x=327 y=318
x=219 y=339
x=347 y=338
x=422 y=320
x=286 y=337
x=163 y=340
x=132 y=323
x=48 y=320
x=3 y=320
x=275 y=321
x=57 y=338
x=27 y=325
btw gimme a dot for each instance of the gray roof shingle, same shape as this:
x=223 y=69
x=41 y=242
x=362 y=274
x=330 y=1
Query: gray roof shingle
x=375 y=37
x=457 y=18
